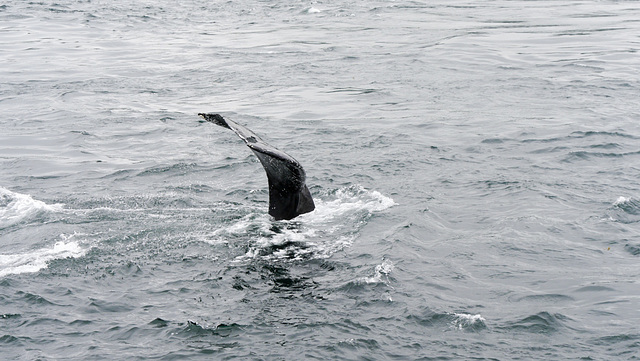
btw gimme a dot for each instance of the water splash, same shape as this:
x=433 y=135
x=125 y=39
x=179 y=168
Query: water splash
x=465 y=321
x=331 y=227
x=625 y=210
x=16 y=207
x=382 y=272
x=35 y=260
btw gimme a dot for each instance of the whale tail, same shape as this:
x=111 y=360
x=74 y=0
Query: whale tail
x=289 y=196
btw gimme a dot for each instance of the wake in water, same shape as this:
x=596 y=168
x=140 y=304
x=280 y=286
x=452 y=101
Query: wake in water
x=334 y=225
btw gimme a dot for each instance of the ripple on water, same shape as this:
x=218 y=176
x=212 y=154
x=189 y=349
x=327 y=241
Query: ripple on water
x=543 y=323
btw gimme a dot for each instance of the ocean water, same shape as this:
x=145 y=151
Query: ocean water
x=475 y=167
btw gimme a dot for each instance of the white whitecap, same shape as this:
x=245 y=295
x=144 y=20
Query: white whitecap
x=464 y=320
x=16 y=207
x=381 y=272
x=35 y=260
x=621 y=200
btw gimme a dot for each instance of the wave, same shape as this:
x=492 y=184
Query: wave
x=16 y=208
x=35 y=260
x=542 y=323
x=465 y=321
x=625 y=210
x=582 y=135
x=451 y=320
x=583 y=155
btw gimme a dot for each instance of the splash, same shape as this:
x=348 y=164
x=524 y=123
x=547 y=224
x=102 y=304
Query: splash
x=333 y=226
x=16 y=207
x=35 y=260
x=349 y=200
x=465 y=321
x=625 y=210
x=382 y=272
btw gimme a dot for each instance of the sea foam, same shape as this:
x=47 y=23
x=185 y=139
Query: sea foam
x=37 y=259
x=331 y=227
x=16 y=207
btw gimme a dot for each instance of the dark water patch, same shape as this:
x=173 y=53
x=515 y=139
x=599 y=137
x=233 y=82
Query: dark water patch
x=193 y=329
x=34 y=299
x=494 y=140
x=583 y=134
x=429 y=318
x=10 y=316
x=46 y=322
x=240 y=283
x=549 y=150
x=605 y=146
x=284 y=280
x=81 y=132
x=80 y=323
x=625 y=346
x=354 y=91
x=118 y=333
x=102 y=306
x=286 y=250
x=159 y=323
x=633 y=249
x=585 y=155
x=287 y=284
x=616 y=339
x=121 y=174
x=178 y=169
x=542 y=323
x=10 y=340
x=594 y=288
x=546 y=298
x=501 y=184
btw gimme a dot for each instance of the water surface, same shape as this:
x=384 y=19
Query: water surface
x=474 y=166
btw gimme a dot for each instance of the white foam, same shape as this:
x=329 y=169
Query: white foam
x=621 y=200
x=35 y=260
x=16 y=207
x=348 y=200
x=331 y=227
x=464 y=320
x=382 y=272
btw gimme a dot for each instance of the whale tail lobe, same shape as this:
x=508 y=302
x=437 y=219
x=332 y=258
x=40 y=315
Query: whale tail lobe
x=289 y=196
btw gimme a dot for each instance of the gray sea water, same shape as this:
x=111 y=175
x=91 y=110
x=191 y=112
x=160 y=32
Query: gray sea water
x=475 y=167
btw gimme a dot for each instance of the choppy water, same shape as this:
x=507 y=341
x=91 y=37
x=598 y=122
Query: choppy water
x=475 y=167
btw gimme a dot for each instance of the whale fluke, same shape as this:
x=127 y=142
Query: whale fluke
x=289 y=196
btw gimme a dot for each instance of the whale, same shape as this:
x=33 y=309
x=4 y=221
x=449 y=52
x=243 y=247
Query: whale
x=289 y=195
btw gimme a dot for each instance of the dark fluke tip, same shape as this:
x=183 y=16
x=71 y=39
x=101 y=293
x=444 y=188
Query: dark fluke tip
x=214 y=118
